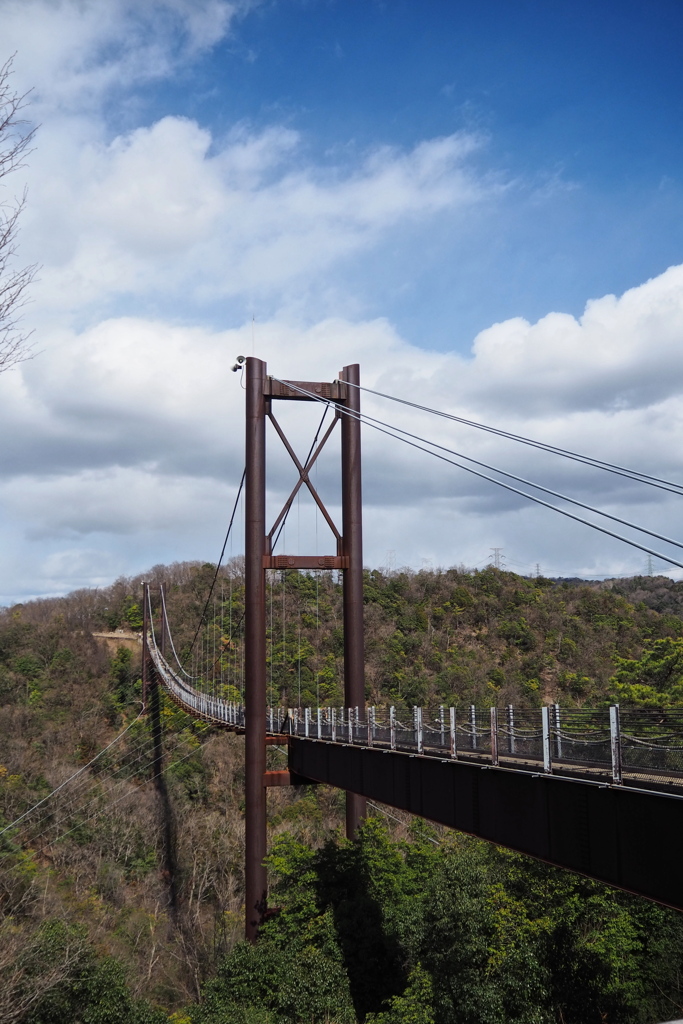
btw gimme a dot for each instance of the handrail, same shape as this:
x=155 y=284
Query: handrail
x=592 y=741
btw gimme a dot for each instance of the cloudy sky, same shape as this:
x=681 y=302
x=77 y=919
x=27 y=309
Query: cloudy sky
x=480 y=203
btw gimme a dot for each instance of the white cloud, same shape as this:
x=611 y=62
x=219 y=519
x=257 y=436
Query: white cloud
x=164 y=208
x=71 y=52
x=113 y=500
x=136 y=427
x=122 y=441
x=169 y=209
x=622 y=353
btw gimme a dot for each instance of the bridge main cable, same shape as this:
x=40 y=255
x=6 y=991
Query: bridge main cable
x=392 y=431
x=609 y=467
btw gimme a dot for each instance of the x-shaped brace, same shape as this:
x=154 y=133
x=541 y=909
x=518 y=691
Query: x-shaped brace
x=304 y=478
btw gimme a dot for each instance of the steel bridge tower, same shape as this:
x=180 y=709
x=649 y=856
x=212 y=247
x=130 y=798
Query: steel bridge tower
x=261 y=392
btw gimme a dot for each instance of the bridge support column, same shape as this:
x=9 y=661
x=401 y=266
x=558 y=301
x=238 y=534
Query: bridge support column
x=352 y=540
x=255 y=877
x=145 y=647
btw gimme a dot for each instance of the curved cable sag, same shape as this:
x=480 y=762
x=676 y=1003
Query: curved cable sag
x=74 y=776
x=170 y=637
x=150 y=617
x=588 y=460
x=215 y=576
x=387 y=429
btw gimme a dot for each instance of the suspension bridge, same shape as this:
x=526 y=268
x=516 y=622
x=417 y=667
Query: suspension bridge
x=597 y=791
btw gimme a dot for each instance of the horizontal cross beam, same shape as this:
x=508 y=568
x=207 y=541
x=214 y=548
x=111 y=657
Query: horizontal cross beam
x=305 y=562
x=336 y=391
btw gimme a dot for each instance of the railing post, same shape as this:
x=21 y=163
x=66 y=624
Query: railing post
x=473 y=724
x=512 y=747
x=615 y=743
x=442 y=727
x=494 y=735
x=370 y=714
x=271 y=719
x=558 y=738
x=334 y=725
x=545 y=720
x=350 y=723
x=454 y=747
x=307 y=722
x=319 y=718
x=392 y=727
x=418 y=729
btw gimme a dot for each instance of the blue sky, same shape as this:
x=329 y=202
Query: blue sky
x=579 y=104
x=480 y=203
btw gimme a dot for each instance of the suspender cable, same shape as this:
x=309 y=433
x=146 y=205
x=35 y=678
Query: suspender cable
x=170 y=637
x=396 y=433
x=215 y=575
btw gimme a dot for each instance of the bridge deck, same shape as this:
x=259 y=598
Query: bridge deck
x=626 y=837
x=572 y=814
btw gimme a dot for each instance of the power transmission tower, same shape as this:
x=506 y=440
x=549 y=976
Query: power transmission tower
x=498 y=558
x=650 y=567
x=538 y=569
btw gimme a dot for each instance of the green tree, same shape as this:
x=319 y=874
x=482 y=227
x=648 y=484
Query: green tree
x=413 y=1007
x=655 y=679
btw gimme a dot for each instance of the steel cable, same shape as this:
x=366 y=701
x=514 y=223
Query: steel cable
x=93 y=782
x=124 y=797
x=388 y=429
x=75 y=775
x=610 y=467
x=218 y=566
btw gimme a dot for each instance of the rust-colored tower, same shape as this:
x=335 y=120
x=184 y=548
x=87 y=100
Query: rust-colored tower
x=261 y=392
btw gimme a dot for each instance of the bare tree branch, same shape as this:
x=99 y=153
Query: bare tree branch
x=16 y=136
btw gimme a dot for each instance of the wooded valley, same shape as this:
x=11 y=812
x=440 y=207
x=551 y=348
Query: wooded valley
x=121 y=896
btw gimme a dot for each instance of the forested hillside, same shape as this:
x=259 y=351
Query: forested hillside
x=121 y=895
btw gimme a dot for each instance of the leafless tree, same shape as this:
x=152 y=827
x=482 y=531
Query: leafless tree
x=16 y=135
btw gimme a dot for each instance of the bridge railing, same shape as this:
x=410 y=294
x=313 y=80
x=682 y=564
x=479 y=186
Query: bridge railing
x=205 y=705
x=652 y=740
x=608 y=742
x=641 y=743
